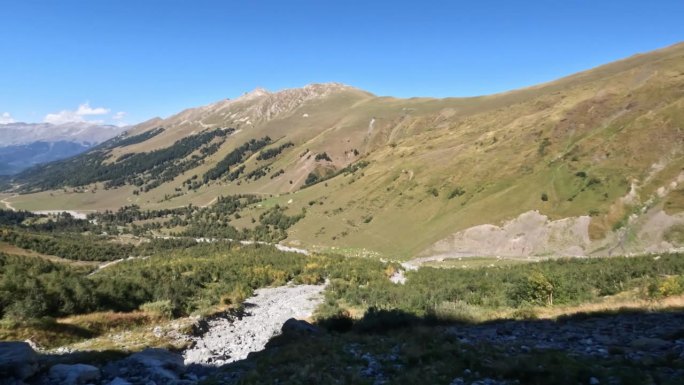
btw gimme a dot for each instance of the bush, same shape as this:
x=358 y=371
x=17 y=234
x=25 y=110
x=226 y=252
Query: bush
x=665 y=287
x=237 y=296
x=535 y=289
x=456 y=192
x=340 y=323
x=381 y=321
x=163 y=309
x=525 y=313
x=458 y=311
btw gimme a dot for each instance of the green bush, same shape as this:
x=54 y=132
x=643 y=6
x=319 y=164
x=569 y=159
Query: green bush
x=163 y=308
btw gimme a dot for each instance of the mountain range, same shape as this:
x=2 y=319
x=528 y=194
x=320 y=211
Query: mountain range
x=590 y=164
x=23 y=145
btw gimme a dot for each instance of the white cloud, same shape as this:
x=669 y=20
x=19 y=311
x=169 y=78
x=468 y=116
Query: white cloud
x=6 y=118
x=85 y=109
x=118 y=119
x=119 y=115
x=67 y=116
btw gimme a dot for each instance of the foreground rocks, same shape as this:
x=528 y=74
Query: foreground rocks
x=220 y=340
x=650 y=341
x=18 y=361
x=74 y=374
x=636 y=336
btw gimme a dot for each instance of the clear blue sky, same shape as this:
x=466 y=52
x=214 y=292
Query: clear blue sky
x=154 y=58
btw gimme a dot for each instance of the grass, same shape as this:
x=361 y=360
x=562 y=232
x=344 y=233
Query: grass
x=675 y=235
x=99 y=331
x=14 y=250
x=478 y=262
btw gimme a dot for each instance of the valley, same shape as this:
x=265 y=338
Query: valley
x=325 y=234
x=594 y=149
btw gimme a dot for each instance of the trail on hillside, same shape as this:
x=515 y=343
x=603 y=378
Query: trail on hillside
x=230 y=339
x=8 y=204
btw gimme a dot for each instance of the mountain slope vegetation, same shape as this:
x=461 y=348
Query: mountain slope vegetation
x=597 y=155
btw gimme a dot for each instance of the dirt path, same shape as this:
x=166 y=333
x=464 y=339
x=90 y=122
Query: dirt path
x=230 y=339
x=7 y=204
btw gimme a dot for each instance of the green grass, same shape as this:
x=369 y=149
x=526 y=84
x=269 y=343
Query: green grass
x=479 y=262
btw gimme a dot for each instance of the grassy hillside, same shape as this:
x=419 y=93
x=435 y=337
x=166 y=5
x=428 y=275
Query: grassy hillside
x=606 y=143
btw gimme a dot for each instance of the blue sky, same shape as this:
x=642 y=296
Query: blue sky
x=123 y=61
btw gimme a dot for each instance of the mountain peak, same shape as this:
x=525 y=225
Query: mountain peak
x=312 y=90
x=255 y=93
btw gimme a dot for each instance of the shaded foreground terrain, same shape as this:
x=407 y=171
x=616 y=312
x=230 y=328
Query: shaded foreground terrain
x=391 y=347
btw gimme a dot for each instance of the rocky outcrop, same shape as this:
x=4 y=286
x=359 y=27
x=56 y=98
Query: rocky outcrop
x=18 y=361
x=529 y=234
x=74 y=374
x=299 y=327
x=532 y=234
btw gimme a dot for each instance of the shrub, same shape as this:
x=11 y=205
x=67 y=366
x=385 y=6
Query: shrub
x=458 y=311
x=525 y=313
x=380 y=321
x=340 y=322
x=665 y=287
x=534 y=289
x=237 y=296
x=162 y=308
x=456 y=192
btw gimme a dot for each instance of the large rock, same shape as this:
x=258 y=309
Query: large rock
x=299 y=327
x=645 y=343
x=160 y=363
x=17 y=360
x=74 y=374
x=119 y=381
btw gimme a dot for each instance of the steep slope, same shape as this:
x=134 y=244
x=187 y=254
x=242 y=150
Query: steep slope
x=601 y=150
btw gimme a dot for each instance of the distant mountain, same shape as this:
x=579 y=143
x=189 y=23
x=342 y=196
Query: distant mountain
x=589 y=164
x=23 y=145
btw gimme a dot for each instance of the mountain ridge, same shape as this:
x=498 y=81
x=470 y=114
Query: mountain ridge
x=398 y=176
x=23 y=145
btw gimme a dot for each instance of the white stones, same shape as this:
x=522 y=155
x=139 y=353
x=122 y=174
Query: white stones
x=231 y=339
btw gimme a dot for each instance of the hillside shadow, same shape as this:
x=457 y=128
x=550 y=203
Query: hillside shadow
x=622 y=346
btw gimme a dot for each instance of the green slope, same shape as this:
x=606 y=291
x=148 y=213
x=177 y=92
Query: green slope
x=435 y=166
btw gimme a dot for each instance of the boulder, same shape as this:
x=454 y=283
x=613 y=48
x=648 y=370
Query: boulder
x=646 y=343
x=74 y=374
x=119 y=381
x=299 y=327
x=160 y=363
x=17 y=360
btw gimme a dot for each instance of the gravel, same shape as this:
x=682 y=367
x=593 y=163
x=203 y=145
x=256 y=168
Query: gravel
x=229 y=339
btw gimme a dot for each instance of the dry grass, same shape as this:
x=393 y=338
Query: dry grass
x=14 y=250
x=618 y=303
